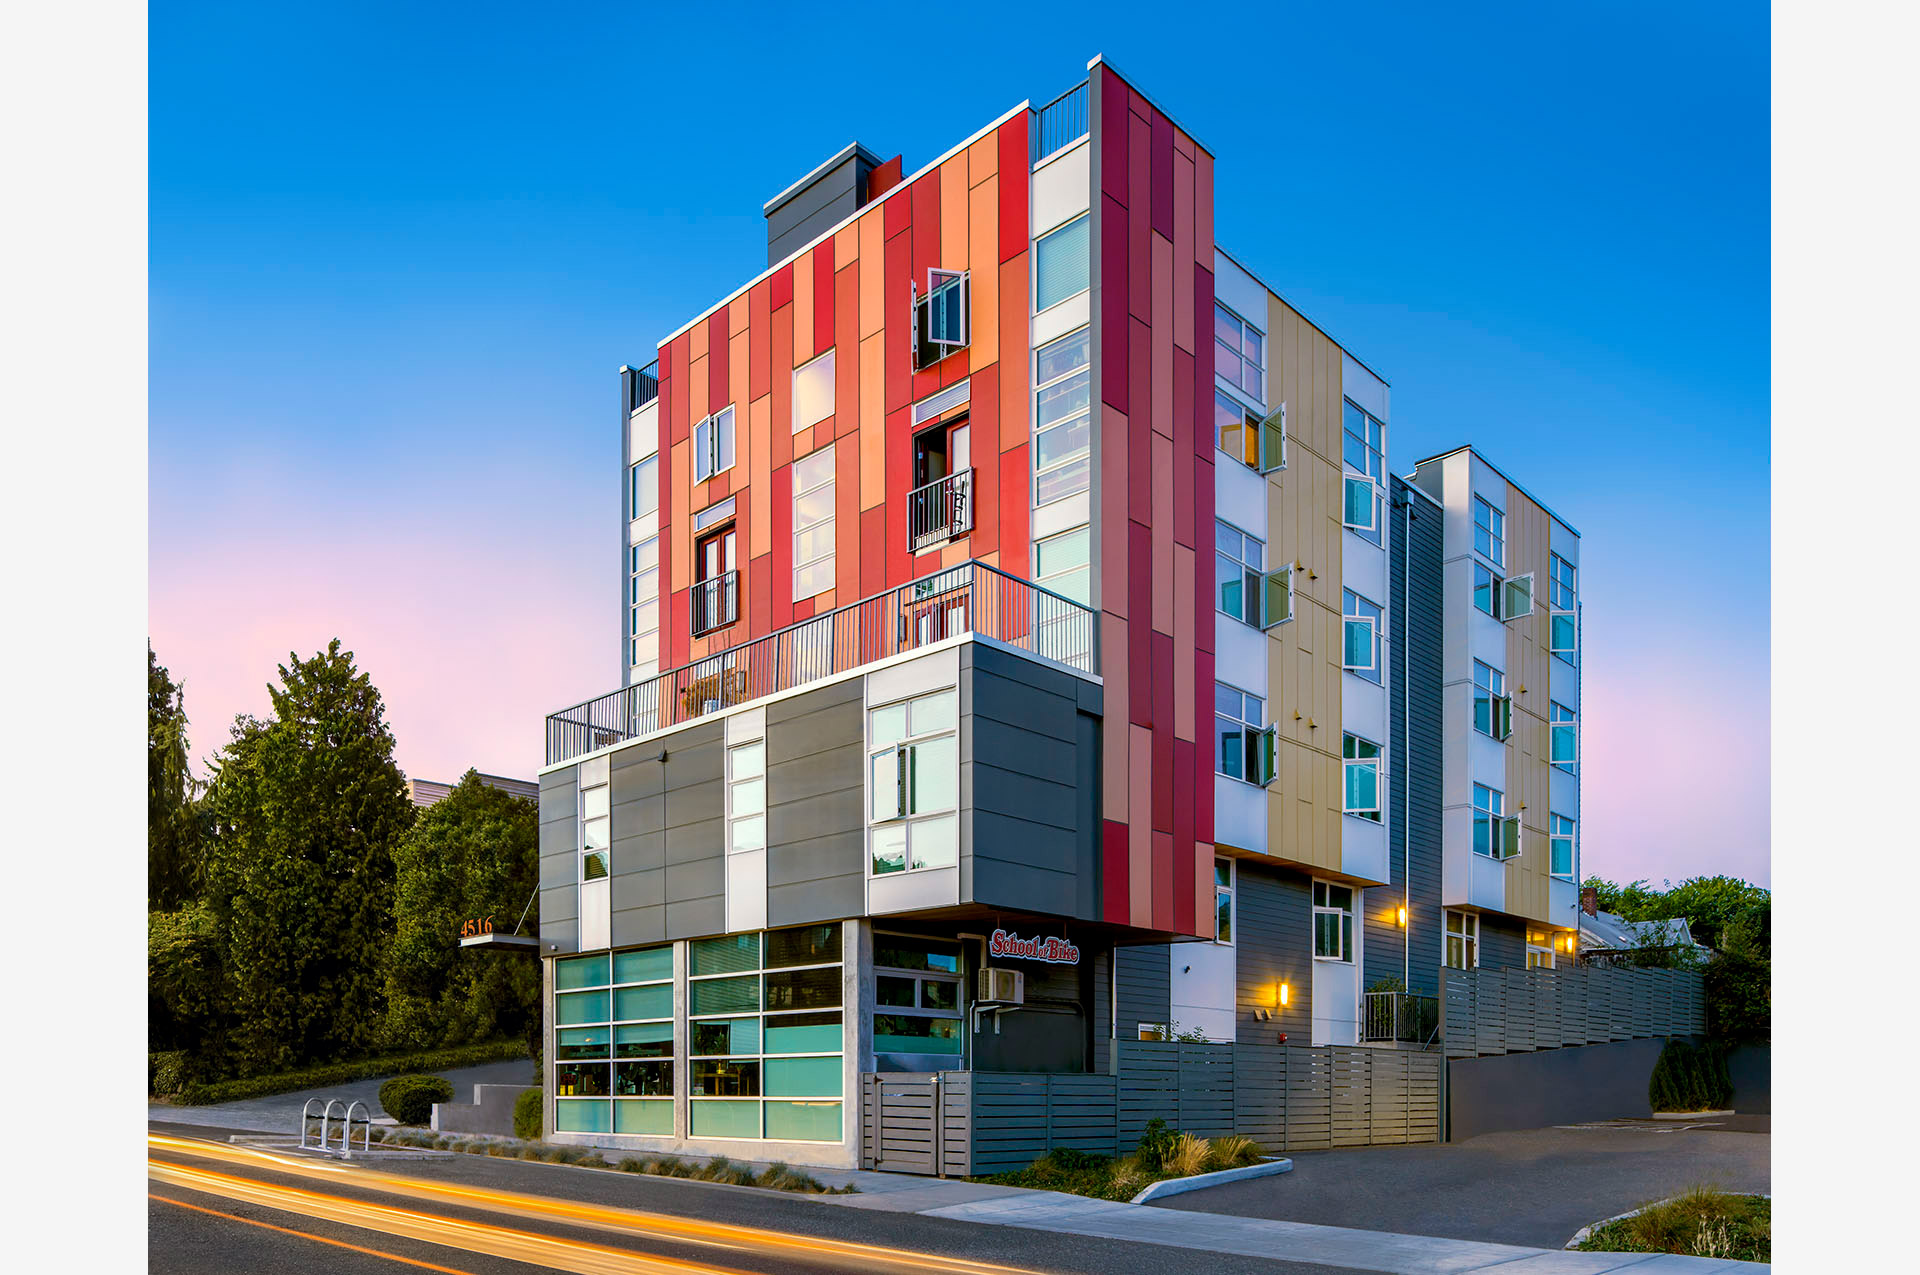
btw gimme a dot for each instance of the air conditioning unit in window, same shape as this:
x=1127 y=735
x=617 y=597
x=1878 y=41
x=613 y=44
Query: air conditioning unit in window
x=1002 y=987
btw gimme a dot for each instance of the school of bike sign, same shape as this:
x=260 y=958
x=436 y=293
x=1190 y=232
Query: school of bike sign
x=1053 y=950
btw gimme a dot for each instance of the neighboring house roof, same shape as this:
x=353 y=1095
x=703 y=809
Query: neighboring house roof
x=427 y=792
x=1608 y=932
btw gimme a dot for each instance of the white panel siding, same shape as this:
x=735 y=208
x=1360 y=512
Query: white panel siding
x=1239 y=657
x=1336 y=999
x=643 y=433
x=746 y=891
x=1363 y=851
x=1239 y=814
x=1363 y=387
x=1202 y=988
x=596 y=914
x=1363 y=708
x=910 y=891
x=1062 y=188
x=1239 y=497
x=1486 y=878
x=1061 y=319
x=1238 y=291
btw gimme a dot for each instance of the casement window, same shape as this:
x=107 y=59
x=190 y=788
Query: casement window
x=1563 y=732
x=1063 y=392
x=1256 y=441
x=1562 y=596
x=1332 y=921
x=1360 y=641
x=1502 y=599
x=918 y=997
x=1363 y=455
x=1496 y=834
x=813 y=529
x=1245 y=747
x=940 y=317
x=1539 y=950
x=1062 y=263
x=1240 y=563
x=595 y=819
x=713 y=445
x=643 y=606
x=1492 y=706
x=1560 y=846
x=747 y=797
x=1463 y=940
x=914 y=783
x=1489 y=532
x=813 y=392
x=1362 y=767
x=1063 y=564
x=1239 y=353
x=643 y=487
x=1223 y=901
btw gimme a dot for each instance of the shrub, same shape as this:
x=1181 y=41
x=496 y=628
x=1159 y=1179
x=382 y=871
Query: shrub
x=1130 y=1178
x=410 y=1099
x=170 y=1073
x=198 y=1093
x=1690 y=1078
x=1156 y=1143
x=1234 y=1152
x=631 y=1165
x=527 y=1118
x=1703 y=1223
x=1189 y=1156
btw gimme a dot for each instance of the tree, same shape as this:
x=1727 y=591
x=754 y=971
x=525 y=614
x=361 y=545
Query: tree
x=185 y=996
x=173 y=815
x=1709 y=904
x=474 y=854
x=307 y=806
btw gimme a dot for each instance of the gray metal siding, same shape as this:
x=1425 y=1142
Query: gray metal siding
x=1145 y=988
x=1503 y=942
x=639 y=861
x=1273 y=942
x=1028 y=755
x=1414 y=767
x=559 y=866
x=815 y=824
x=829 y=199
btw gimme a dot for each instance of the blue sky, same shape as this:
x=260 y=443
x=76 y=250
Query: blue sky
x=398 y=253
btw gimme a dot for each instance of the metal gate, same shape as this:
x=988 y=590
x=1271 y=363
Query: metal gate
x=902 y=1129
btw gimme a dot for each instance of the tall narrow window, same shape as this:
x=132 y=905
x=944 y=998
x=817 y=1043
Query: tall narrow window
x=1489 y=532
x=643 y=487
x=1363 y=453
x=1062 y=564
x=1463 y=940
x=1562 y=598
x=1062 y=395
x=1563 y=748
x=1362 y=766
x=913 y=786
x=1361 y=636
x=1240 y=563
x=716 y=581
x=1492 y=709
x=713 y=445
x=1223 y=900
x=813 y=528
x=813 y=392
x=747 y=797
x=1560 y=846
x=1239 y=353
x=1245 y=741
x=595 y=820
x=643 y=606
x=1332 y=921
x=1063 y=263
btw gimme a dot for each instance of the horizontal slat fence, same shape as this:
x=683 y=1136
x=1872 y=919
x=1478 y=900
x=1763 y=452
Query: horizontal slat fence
x=1503 y=1011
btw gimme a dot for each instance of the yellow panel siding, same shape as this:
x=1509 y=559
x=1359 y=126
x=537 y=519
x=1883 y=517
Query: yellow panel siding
x=1529 y=784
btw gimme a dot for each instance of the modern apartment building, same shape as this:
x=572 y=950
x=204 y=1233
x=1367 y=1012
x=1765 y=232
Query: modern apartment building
x=1026 y=647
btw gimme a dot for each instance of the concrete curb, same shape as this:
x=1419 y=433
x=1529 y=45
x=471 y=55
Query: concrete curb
x=1199 y=1181
x=1691 y=1115
x=1580 y=1235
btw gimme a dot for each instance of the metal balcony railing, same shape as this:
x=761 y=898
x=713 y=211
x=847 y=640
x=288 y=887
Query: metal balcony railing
x=972 y=598
x=1403 y=1017
x=1060 y=122
x=643 y=386
x=716 y=602
x=940 y=510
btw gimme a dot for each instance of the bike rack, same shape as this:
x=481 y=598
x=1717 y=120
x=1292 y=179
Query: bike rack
x=366 y=1131
x=347 y=1117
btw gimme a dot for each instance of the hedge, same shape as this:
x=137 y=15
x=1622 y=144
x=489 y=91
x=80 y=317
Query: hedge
x=1690 y=1078
x=195 y=1094
x=410 y=1099
x=527 y=1116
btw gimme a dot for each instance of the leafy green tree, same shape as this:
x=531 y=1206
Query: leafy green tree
x=474 y=854
x=185 y=983
x=307 y=806
x=1709 y=904
x=1739 y=984
x=173 y=815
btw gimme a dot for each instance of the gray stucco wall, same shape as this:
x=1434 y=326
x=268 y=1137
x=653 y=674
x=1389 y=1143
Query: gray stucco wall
x=815 y=826
x=1413 y=769
x=1029 y=761
x=1549 y=1087
x=559 y=866
x=1273 y=939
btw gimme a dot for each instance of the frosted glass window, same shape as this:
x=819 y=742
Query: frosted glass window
x=813 y=392
x=1062 y=263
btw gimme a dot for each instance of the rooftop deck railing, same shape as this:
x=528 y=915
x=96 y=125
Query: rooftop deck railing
x=1060 y=122
x=972 y=598
x=643 y=386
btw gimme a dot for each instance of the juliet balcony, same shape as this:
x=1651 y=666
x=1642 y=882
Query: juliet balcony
x=972 y=601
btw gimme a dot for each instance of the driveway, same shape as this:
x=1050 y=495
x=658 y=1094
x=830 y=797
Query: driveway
x=1534 y=1187
x=280 y=1113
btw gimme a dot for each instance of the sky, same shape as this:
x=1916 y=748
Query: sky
x=397 y=260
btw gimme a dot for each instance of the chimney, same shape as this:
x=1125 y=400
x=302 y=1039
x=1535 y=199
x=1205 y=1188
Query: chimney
x=1589 y=900
x=822 y=199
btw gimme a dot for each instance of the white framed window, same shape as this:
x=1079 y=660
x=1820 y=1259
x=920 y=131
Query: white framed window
x=1489 y=532
x=1239 y=353
x=813 y=529
x=1562 y=599
x=918 y=996
x=1223 y=901
x=1486 y=590
x=1240 y=565
x=1361 y=507
x=1496 y=834
x=940 y=317
x=1563 y=736
x=1062 y=263
x=1361 y=764
x=1244 y=749
x=643 y=606
x=913 y=784
x=1560 y=846
x=1539 y=950
x=1463 y=940
x=1063 y=564
x=643 y=487
x=596 y=837
x=713 y=445
x=1363 y=452
x=1360 y=635
x=1256 y=441
x=1332 y=921
x=1492 y=706
x=1502 y=599
x=1062 y=398
x=747 y=796
x=813 y=392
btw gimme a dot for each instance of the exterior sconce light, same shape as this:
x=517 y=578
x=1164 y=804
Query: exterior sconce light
x=1400 y=915
x=1286 y=994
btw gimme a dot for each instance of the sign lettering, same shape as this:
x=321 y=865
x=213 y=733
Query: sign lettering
x=1053 y=949
x=476 y=926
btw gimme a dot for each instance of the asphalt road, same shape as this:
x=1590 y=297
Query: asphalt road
x=474 y=1215
x=1534 y=1187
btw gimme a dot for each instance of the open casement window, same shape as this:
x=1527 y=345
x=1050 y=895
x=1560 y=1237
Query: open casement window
x=1502 y=711
x=1362 y=765
x=1563 y=635
x=1358 y=646
x=713 y=445
x=1563 y=737
x=1272 y=431
x=1276 y=597
x=1361 y=506
x=1516 y=598
x=940 y=317
x=1506 y=838
x=1263 y=756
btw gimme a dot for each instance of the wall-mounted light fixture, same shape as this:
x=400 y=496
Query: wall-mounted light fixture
x=1400 y=916
x=1285 y=995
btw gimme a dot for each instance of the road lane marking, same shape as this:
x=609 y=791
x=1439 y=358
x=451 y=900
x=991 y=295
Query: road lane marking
x=725 y=1236
x=308 y=1235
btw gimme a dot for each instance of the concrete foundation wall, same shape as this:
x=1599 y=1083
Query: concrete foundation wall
x=1549 y=1087
x=491 y=1111
x=1750 y=1067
